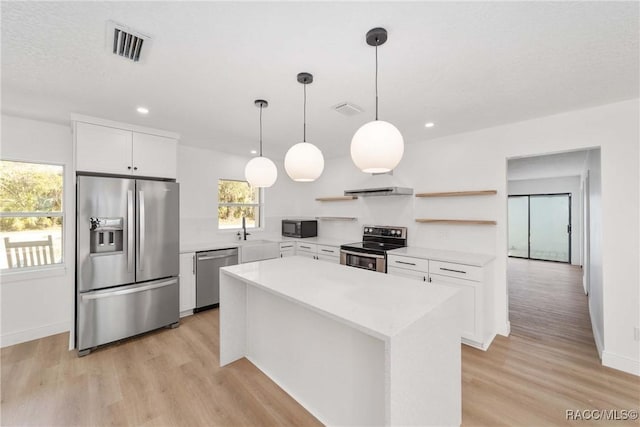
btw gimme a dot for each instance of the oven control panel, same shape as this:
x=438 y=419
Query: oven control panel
x=384 y=231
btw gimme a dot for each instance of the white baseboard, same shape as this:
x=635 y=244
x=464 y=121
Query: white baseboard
x=621 y=363
x=596 y=335
x=18 y=337
x=505 y=331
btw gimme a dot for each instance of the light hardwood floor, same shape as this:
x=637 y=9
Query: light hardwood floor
x=171 y=377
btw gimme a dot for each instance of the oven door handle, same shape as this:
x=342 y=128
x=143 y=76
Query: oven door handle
x=361 y=254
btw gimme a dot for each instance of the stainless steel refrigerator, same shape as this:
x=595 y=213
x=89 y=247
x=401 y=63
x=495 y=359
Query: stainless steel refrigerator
x=127 y=258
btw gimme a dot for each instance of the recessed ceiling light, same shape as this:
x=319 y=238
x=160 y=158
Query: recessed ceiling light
x=254 y=152
x=429 y=125
x=142 y=110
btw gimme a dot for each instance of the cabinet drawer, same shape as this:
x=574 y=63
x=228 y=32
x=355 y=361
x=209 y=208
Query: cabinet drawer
x=328 y=250
x=287 y=246
x=461 y=271
x=306 y=247
x=408 y=263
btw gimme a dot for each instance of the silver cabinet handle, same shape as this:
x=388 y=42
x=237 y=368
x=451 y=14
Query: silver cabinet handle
x=404 y=262
x=141 y=230
x=305 y=247
x=204 y=258
x=288 y=246
x=129 y=291
x=453 y=271
x=130 y=220
x=328 y=250
x=194 y=264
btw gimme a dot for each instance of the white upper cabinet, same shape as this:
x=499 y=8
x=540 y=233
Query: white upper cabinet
x=154 y=155
x=120 y=149
x=103 y=149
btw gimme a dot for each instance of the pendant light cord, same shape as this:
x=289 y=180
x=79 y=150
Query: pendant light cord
x=304 y=115
x=260 y=130
x=377 y=79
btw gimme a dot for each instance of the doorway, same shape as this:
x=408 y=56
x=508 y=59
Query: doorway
x=540 y=227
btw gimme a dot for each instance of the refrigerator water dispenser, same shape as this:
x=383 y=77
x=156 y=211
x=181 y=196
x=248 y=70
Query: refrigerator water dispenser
x=106 y=235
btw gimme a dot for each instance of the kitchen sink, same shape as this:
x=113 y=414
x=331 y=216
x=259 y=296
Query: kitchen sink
x=258 y=250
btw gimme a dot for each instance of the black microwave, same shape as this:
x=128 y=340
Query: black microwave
x=299 y=227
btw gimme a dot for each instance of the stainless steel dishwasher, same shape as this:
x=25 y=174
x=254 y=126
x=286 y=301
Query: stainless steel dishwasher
x=208 y=275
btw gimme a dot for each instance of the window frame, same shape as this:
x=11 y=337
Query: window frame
x=259 y=205
x=7 y=272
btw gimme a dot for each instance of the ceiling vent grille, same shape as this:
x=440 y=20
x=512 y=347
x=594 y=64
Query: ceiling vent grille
x=125 y=42
x=347 y=109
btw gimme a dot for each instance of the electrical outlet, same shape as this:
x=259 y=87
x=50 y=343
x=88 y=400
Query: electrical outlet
x=636 y=334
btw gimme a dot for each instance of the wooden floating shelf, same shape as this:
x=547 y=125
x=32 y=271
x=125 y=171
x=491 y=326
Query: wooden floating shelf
x=335 y=198
x=456 y=221
x=336 y=218
x=459 y=193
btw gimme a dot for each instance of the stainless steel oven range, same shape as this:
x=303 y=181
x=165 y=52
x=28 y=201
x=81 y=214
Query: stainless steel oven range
x=371 y=253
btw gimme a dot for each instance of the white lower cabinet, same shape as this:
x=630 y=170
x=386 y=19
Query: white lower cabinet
x=328 y=253
x=287 y=249
x=456 y=276
x=187 y=283
x=306 y=249
x=471 y=304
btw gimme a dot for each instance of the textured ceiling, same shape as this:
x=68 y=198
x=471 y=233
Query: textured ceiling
x=463 y=66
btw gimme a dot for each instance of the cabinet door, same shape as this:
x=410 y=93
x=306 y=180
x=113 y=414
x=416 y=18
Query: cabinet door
x=328 y=258
x=287 y=252
x=470 y=303
x=154 y=156
x=187 y=281
x=103 y=149
x=306 y=254
x=411 y=274
x=306 y=247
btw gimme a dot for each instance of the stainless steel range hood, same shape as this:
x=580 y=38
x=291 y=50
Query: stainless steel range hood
x=381 y=191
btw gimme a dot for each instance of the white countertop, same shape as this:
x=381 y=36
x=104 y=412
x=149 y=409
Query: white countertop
x=467 y=258
x=378 y=304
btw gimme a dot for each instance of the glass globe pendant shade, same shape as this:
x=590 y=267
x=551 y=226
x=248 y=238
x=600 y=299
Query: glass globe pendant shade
x=261 y=172
x=377 y=147
x=304 y=162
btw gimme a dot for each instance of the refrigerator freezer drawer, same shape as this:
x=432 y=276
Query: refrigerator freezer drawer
x=117 y=313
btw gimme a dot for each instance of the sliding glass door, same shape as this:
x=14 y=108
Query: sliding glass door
x=540 y=227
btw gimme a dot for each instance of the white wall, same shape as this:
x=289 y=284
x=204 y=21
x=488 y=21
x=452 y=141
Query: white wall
x=567 y=184
x=596 y=284
x=478 y=160
x=39 y=304
x=198 y=173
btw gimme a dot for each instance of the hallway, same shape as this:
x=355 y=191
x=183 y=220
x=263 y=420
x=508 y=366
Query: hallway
x=549 y=364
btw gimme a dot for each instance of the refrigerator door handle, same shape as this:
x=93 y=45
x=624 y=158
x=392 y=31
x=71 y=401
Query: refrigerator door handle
x=141 y=230
x=130 y=220
x=99 y=295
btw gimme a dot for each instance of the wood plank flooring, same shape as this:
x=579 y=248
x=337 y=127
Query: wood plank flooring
x=171 y=377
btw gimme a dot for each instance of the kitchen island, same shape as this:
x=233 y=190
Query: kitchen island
x=353 y=347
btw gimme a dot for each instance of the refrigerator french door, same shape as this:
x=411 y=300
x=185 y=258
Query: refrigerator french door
x=127 y=258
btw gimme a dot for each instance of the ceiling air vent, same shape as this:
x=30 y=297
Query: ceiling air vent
x=125 y=42
x=347 y=109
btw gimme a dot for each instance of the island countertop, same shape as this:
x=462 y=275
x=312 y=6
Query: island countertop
x=378 y=304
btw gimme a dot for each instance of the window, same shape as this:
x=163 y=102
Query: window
x=237 y=199
x=31 y=218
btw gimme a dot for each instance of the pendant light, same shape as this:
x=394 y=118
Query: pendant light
x=378 y=146
x=304 y=161
x=261 y=171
